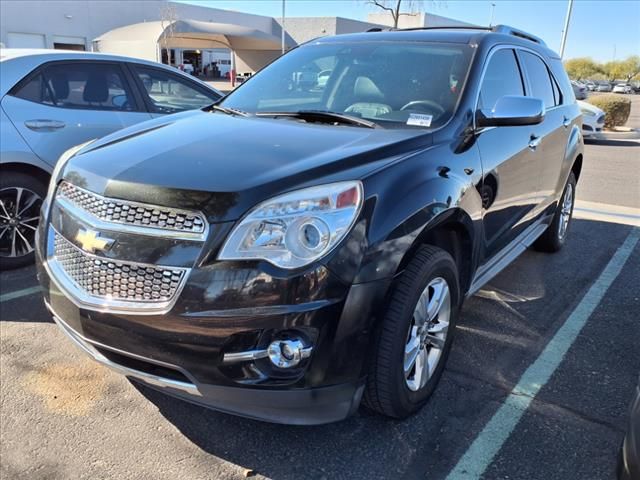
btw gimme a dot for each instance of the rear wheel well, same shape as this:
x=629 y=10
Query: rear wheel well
x=27 y=169
x=454 y=238
x=576 y=168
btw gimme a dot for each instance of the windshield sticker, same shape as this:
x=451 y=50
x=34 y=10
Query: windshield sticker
x=419 y=119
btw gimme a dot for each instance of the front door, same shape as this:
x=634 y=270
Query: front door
x=510 y=159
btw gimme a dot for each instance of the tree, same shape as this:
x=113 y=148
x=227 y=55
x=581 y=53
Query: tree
x=630 y=67
x=393 y=7
x=614 y=70
x=580 y=68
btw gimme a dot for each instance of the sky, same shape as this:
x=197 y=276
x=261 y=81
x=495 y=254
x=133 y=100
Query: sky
x=600 y=29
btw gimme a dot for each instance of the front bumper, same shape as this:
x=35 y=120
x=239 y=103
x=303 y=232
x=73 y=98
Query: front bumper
x=182 y=352
x=296 y=407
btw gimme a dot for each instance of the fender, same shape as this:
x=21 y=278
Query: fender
x=432 y=194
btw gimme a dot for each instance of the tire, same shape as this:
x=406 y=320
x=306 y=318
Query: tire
x=22 y=194
x=555 y=236
x=389 y=390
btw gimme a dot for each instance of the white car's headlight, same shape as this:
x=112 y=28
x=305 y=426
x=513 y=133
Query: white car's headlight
x=297 y=228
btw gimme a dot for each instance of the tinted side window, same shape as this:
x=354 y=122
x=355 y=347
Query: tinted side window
x=92 y=86
x=539 y=79
x=502 y=77
x=168 y=93
x=563 y=81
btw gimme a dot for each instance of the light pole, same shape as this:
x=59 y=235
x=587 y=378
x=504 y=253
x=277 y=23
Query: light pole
x=493 y=8
x=283 y=30
x=563 y=42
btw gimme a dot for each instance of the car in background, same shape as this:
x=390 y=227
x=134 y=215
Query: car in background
x=590 y=85
x=52 y=100
x=629 y=459
x=592 y=119
x=603 y=87
x=622 y=88
x=579 y=90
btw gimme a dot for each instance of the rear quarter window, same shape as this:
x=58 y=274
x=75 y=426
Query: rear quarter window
x=555 y=64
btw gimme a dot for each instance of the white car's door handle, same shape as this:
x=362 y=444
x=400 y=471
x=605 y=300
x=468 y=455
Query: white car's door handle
x=44 y=125
x=534 y=142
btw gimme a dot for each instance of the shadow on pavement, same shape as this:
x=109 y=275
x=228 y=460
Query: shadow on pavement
x=502 y=330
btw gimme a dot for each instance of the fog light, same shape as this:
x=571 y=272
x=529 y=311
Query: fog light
x=288 y=353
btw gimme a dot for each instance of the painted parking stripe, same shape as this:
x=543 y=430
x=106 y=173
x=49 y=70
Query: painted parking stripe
x=488 y=443
x=5 y=297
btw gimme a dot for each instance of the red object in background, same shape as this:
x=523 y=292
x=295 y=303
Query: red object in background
x=233 y=78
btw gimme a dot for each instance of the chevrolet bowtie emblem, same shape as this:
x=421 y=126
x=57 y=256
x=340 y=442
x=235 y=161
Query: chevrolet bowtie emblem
x=90 y=241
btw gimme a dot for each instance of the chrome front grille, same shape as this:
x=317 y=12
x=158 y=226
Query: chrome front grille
x=132 y=213
x=103 y=279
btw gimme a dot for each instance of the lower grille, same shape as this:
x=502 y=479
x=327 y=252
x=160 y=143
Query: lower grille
x=105 y=281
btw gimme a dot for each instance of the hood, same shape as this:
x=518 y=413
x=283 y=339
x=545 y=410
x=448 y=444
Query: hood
x=590 y=108
x=223 y=165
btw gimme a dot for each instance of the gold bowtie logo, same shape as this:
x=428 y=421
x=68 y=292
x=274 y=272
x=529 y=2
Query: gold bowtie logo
x=90 y=241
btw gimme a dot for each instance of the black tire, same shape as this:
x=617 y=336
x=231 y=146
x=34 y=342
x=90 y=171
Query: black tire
x=9 y=183
x=554 y=238
x=386 y=391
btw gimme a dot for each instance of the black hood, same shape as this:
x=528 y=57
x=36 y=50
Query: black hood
x=224 y=165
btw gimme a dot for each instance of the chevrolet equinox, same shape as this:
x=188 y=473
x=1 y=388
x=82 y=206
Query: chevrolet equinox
x=305 y=244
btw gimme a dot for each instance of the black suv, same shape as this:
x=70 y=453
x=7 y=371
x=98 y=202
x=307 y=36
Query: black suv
x=307 y=242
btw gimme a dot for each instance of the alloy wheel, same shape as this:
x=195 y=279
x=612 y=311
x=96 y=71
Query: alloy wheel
x=565 y=211
x=427 y=334
x=19 y=217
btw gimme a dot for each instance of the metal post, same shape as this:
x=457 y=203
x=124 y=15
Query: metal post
x=566 y=28
x=493 y=8
x=283 y=30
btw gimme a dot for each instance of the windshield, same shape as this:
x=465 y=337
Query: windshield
x=394 y=84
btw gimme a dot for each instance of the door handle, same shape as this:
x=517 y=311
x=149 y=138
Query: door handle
x=566 y=122
x=44 y=125
x=534 y=142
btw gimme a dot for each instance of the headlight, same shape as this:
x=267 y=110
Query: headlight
x=297 y=228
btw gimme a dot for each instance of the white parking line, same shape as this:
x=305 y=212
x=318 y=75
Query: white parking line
x=488 y=443
x=5 y=297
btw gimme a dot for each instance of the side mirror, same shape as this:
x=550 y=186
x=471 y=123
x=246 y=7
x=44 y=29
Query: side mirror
x=511 y=111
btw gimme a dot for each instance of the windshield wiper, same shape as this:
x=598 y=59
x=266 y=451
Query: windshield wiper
x=322 y=115
x=229 y=110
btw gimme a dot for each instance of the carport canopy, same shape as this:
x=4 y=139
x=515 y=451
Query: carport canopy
x=136 y=39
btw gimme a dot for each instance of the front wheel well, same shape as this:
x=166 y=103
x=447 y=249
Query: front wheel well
x=27 y=169
x=453 y=237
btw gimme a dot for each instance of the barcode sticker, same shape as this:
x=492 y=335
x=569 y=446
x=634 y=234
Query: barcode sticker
x=419 y=119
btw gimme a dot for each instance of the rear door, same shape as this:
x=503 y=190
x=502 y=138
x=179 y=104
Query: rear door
x=62 y=104
x=553 y=132
x=510 y=164
x=165 y=92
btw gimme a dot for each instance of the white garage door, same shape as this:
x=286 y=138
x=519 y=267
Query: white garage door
x=25 y=40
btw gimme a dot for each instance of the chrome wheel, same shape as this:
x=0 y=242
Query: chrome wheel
x=427 y=334
x=565 y=211
x=19 y=217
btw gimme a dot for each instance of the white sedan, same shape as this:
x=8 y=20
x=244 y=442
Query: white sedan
x=622 y=88
x=592 y=119
x=51 y=100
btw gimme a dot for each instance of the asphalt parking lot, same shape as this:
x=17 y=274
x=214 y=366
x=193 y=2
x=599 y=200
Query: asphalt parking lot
x=63 y=416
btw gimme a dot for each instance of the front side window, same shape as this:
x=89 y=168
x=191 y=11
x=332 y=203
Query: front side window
x=83 y=85
x=539 y=79
x=501 y=77
x=168 y=93
x=389 y=83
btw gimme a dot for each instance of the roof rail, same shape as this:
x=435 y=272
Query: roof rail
x=507 y=30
